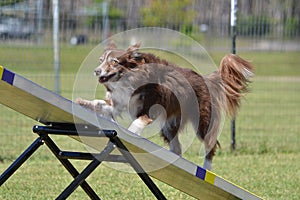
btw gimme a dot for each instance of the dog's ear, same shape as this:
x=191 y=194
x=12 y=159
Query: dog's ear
x=131 y=59
x=137 y=56
x=134 y=47
x=111 y=46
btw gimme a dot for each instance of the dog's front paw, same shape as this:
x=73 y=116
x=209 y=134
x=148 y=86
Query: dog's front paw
x=145 y=120
x=138 y=125
x=98 y=105
x=85 y=103
x=80 y=101
x=95 y=105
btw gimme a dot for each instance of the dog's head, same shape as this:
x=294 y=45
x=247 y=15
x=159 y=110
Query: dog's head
x=114 y=62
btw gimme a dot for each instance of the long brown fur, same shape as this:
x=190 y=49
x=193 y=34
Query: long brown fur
x=151 y=80
x=235 y=73
x=217 y=92
x=227 y=86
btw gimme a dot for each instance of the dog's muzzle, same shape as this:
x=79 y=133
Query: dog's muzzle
x=97 y=72
x=103 y=79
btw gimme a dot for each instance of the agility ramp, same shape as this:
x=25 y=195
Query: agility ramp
x=58 y=116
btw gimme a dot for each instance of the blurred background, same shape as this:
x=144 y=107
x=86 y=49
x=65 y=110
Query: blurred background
x=267 y=33
x=263 y=25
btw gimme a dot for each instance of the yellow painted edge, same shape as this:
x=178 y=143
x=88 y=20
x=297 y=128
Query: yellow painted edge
x=1 y=71
x=238 y=186
x=210 y=177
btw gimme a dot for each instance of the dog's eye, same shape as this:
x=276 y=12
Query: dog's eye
x=100 y=60
x=115 y=61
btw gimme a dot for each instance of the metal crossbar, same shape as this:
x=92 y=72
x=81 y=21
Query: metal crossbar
x=97 y=158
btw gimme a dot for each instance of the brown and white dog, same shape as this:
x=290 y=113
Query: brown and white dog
x=137 y=82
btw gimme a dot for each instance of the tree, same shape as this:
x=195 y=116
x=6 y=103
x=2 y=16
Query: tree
x=171 y=13
x=9 y=2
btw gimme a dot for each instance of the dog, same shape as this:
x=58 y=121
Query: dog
x=139 y=82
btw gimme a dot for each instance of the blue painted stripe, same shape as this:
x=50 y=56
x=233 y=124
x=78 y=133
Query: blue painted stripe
x=8 y=76
x=200 y=173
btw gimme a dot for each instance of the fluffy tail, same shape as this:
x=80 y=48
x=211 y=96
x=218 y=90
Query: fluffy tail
x=235 y=73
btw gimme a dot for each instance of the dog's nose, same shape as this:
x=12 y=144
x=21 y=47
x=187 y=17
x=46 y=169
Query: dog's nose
x=97 y=72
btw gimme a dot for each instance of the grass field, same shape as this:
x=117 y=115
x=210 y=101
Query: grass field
x=266 y=161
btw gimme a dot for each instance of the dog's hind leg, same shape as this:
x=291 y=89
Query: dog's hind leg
x=170 y=135
x=209 y=157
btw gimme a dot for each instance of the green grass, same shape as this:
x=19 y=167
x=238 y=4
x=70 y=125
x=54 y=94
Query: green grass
x=40 y=60
x=266 y=161
x=269 y=63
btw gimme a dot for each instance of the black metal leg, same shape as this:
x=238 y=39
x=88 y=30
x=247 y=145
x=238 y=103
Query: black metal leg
x=79 y=178
x=139 y=170
x=20 y=160
x=233 y=134
x=68 y=165
x=87 y=171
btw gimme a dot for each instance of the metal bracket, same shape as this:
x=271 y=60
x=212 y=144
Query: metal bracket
x=97 y=158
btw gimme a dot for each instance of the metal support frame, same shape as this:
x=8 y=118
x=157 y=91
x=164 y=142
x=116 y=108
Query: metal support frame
x=97 y=158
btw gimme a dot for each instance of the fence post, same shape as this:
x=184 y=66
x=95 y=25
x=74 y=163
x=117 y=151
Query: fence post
x=233 y=50
x=105 y=20
x=56 y=44
x=39 y=7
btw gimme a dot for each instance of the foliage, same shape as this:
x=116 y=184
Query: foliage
x=113 y=14
x=253 y=25
x=174 y=14
x=10 y=2
x=291 y=27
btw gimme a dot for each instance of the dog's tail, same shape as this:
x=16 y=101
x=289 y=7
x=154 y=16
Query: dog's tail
x=235 y=74
x=226 y=87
